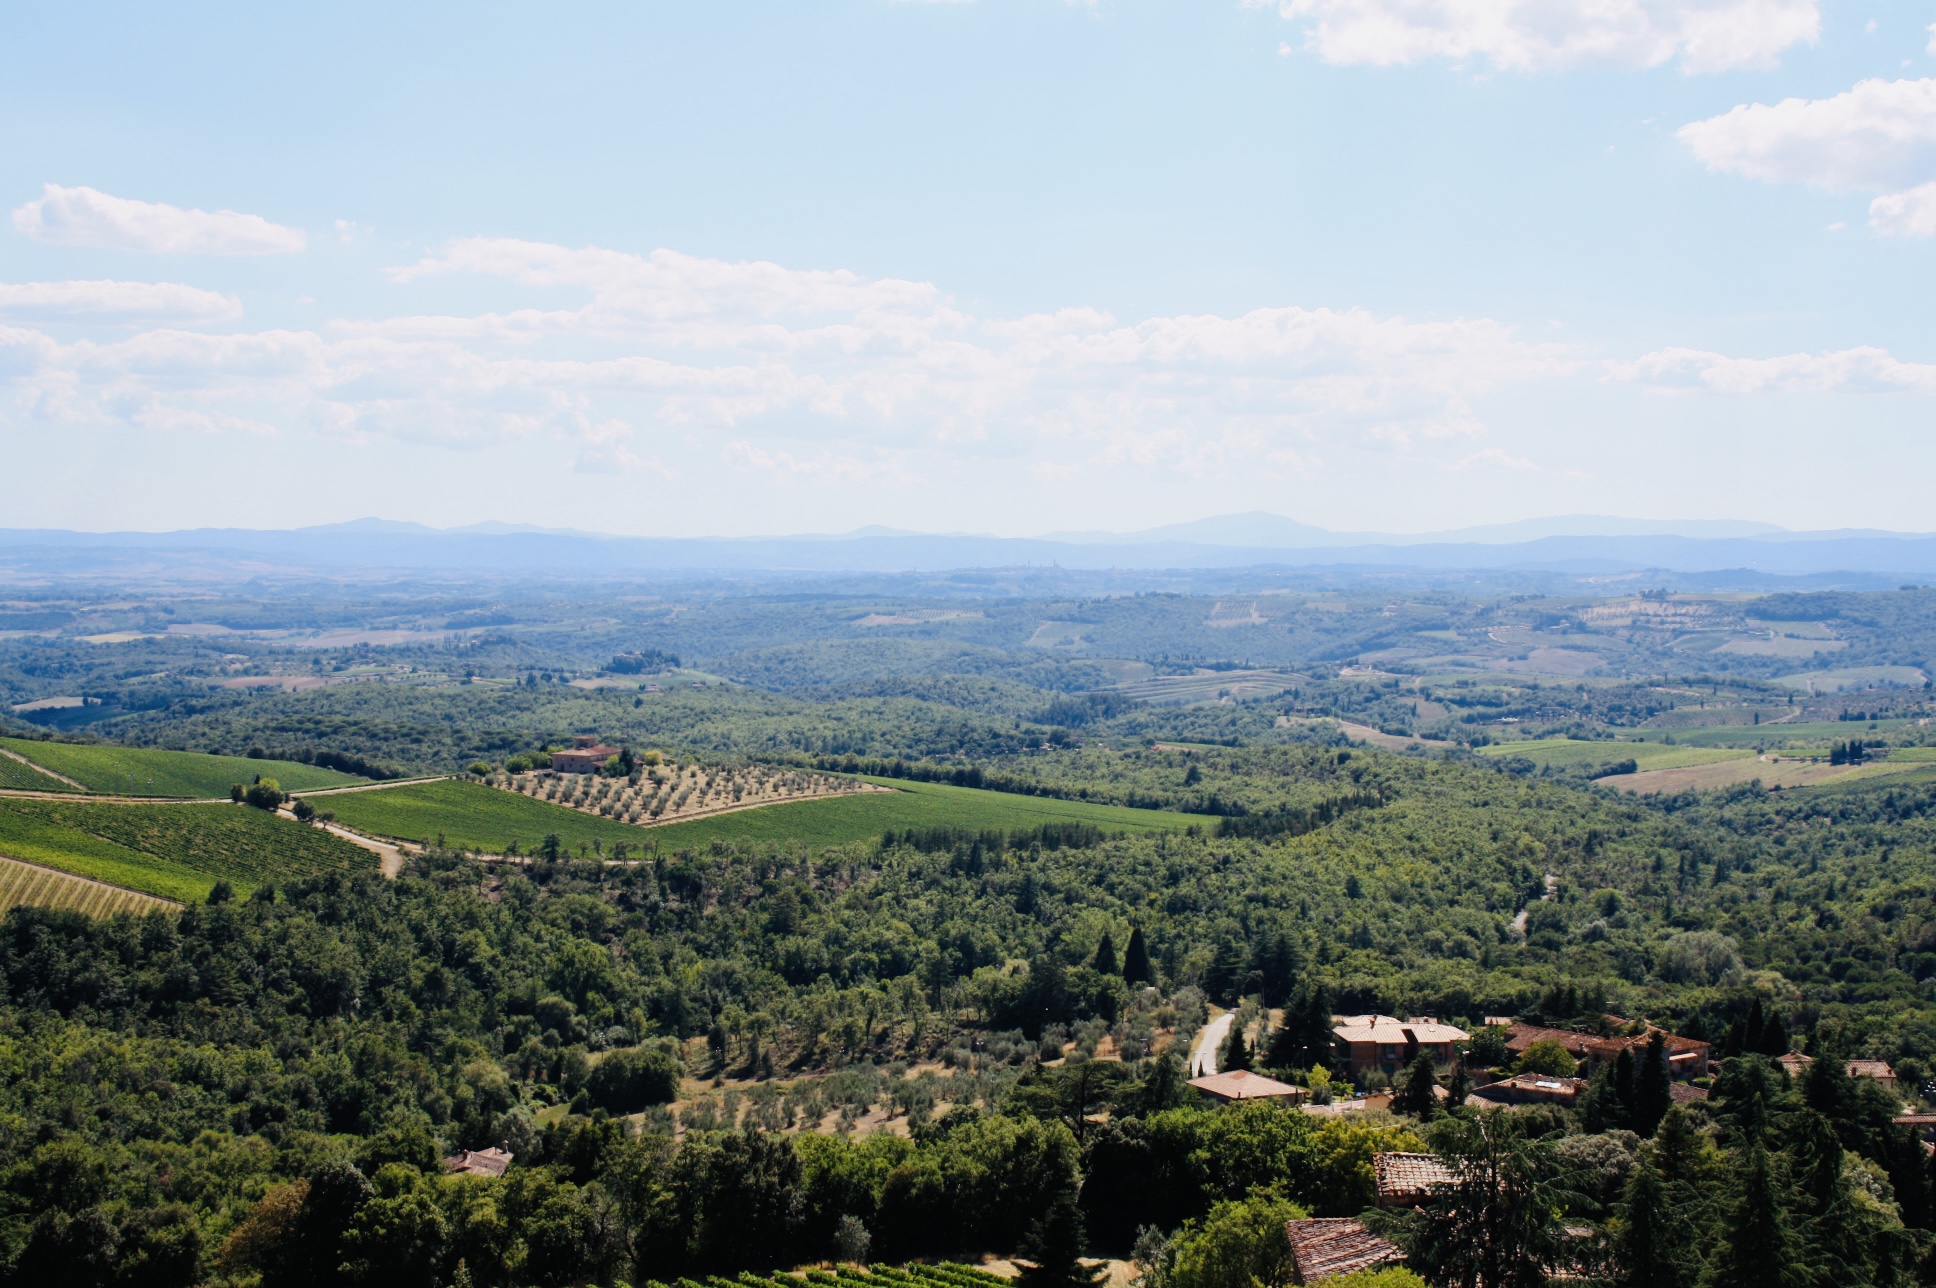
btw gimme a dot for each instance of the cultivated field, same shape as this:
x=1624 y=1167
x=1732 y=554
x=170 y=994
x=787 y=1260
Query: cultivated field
x=1565 y=753
x=472 y=816
x=141 y=771
x=32 y=886
x=15 y=776
x=171 y=851
x=1772 y=736
x=1773 y=771
x=1183 y=690
x=669 y=793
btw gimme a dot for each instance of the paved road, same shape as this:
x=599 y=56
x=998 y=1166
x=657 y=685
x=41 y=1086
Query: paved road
x=1209 y=1045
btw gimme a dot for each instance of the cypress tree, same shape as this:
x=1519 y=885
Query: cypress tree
x=1774 y=1038
x=1106 y=954
x=1458 y=1088
x=1053 y=1246
x=1136 y=962
x=1653 y=1083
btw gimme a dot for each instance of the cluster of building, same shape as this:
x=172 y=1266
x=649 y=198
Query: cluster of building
x=586 y=755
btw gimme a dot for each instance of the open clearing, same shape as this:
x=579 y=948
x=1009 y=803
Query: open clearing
x=472 y=816
x=1849 y=679
x=1770 y=736
x=1209 y=686
x=1782 y=772
x=141 y=771
x=671 y=793
x=171 y=851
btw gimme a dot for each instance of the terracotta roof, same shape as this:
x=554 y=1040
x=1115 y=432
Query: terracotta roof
x=1914 y=1120
x=1582 y=1045
x=1241 y=1084
x=480 y=1162
x=1682 y=1093
x=1871 y=1069
x=1386 y=1028
x=1523 y=1087
x=1407 y=1178
x=1324 y=1247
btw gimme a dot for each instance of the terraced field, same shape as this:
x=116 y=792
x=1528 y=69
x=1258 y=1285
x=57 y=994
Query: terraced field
x=171 y=851
x=143 y=771
x=475 y=817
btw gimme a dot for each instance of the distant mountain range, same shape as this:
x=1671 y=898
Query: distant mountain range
x=1573 y=544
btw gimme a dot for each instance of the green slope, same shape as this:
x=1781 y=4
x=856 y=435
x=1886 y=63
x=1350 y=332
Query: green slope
x=1567 y=752
x=25 y=778
x=144 y=771
x=475 y=817
x=175 y=851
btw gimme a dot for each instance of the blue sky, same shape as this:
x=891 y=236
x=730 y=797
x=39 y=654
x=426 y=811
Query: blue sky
x=994 y=265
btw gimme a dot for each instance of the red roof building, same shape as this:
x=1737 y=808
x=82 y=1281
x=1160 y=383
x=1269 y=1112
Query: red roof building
x=1326 y=1247
x=1382 y=1042
x=478 y=1162
x=1686 y=1058
x=1241 y=1084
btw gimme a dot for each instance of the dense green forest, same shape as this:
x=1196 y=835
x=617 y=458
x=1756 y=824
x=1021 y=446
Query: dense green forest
x=949 y=1035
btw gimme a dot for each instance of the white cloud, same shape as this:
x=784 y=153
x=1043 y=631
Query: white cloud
x=1879 y=135
x=124 y=302
x=1553 y=35
x=1905 y=214
x=86 y=217
x=1859 y=370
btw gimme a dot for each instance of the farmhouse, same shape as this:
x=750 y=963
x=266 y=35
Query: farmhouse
x=1326 y=1247
x=1380 y=1042
x=1532 y=1089
x=1881 y=1070
x=1241 y=1084
x=1686 y=1058
x=478 y=1162
x=588 y=756
x=1406 y=1180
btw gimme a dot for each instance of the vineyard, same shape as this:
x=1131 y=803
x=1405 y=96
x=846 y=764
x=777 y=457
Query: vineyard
x=28 y=885
x=144 y=771
x=946 y=1274
x=171 y=851
x=669 y=793
x=19 y=777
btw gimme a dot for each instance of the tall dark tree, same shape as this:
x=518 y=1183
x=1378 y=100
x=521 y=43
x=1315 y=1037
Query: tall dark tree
x=1276 y=965
x=1303 y=1040
x=1418 y=1096
x=1136 y=962
x=1236 y=1052
x=1757 y=1247
x=1053 y=1248
x=1106 y=954
x=1653 y=1086
x=1652 y=1246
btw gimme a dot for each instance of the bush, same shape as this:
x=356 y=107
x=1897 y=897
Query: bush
x=264 y=793
x=1547 y=1056
x=1702 y=957
x=480 y=767
x=629 y=1080
x=1239 y=1245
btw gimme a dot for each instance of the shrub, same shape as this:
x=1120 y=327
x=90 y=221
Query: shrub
x=264 y=793
x=631 y=1079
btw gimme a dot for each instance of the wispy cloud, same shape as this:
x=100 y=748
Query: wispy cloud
x=87 y=217
x=123 y=302
x=1859 y=370
x=1555 y=35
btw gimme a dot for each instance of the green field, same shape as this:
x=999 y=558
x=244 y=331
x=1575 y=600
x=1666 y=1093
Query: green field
x=1565 y=753
x=25 y=778
x=474 y=817
x=1817 y=733
x=25 y=885
x=143 y=771
x=174 y=851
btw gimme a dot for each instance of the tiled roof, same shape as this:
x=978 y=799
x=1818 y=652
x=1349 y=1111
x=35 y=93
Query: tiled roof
x=1871 y=1069
x=1324 y=1247
x=1582 y=1045
x=1408 y=1177
x=1531 y=1086
x=480 y=1162
x=1386 y=1028
x=1682 y=1093
x=1241 y=1084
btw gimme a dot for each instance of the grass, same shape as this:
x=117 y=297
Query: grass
x=31 y=886
x=474 y=817
x=143 y=771
x=172 y=851
x=25 y=778
x=1814 y=733
x=1563 y=753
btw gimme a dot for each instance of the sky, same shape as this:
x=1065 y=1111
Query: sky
x=1006 y=266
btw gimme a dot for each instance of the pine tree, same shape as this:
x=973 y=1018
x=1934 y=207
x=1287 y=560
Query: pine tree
x=1053 y=1246
x=1458 y=1088
x=1416 y=1096
x=1757 y=1247
x=1651 y=1243
x=1136 y=962
x=1106 y=954
x=1653 y=1086
x=1236 y=1055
